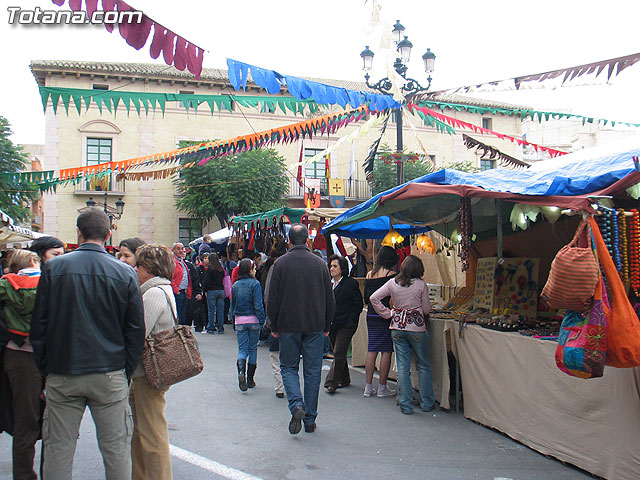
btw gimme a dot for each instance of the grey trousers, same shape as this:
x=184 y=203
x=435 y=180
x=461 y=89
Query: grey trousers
x=107 y=395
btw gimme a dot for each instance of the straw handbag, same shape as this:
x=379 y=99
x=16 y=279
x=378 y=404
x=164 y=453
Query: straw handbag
x=171 y=356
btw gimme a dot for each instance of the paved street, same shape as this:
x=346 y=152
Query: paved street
x=218 y=432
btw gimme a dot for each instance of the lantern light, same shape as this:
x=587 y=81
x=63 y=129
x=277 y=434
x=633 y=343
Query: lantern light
x=404 y=47
x=429 y=61
x=425 y=244
x=392 y=238
x=367 y=58
x=397 y=32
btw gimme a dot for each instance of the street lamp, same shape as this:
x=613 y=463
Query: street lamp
x=411 y=86
x=113 y=215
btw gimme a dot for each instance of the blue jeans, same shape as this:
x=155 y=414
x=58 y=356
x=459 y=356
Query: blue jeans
x=215 y=302
x=248 y=335
x=404 y=342
x=181 y=306
x=326 y=346
x=309 y=345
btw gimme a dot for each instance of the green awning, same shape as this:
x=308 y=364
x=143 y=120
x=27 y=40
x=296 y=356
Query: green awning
x=271 y=218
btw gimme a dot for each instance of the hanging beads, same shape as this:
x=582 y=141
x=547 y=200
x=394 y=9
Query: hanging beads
x=615 y=245
x=624 y=246
x=466 y=231
x=604 y=222
x=634 y=247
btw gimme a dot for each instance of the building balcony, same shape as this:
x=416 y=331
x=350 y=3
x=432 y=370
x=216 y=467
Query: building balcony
x=357 y=190
x=99 y=185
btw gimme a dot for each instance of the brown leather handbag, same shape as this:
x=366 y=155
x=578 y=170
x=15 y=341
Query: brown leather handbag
x=171 y=356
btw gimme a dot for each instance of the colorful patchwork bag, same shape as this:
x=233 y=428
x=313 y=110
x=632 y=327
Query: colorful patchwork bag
x=582 y=342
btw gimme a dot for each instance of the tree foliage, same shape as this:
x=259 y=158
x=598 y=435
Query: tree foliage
x=385 y=175
x=242 y=184
x=16 y=195
x=463 y=166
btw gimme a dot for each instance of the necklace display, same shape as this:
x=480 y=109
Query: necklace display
x=466 y=231
x=634 y=247
x=605 y=223
x=624 y=246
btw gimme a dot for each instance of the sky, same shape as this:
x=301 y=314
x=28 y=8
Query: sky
x=474 y=42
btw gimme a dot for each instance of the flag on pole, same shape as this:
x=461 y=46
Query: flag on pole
x=327 y=167
x=352 y=164
x=299 y=176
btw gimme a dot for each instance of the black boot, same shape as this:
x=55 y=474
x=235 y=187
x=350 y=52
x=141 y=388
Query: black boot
x=251 y=370
x=242 y=381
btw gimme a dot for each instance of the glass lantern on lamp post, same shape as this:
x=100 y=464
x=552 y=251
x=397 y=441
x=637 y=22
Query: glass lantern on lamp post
x=410 y=87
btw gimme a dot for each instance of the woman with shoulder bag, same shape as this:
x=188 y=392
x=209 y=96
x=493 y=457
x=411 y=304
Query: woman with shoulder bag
x=150 y=453
x=247 y=313
x=410 y=300
x=346 y=292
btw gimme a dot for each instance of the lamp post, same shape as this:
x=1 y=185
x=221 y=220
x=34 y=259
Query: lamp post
x=112 y=213
x=411 y=86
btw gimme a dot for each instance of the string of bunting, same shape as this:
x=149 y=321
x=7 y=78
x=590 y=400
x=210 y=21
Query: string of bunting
x=493 y=153
x=455 y=123
x=304 y=89
x=522 y=112
x=202 y=153
x=112 y=99
x=613 y=66
x=176 y=50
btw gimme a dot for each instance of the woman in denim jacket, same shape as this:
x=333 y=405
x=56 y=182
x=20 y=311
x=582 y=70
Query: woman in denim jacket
x=247 y=308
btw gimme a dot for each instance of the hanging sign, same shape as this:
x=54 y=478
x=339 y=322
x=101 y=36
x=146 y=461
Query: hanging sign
x=336 y=192
x=312 y=192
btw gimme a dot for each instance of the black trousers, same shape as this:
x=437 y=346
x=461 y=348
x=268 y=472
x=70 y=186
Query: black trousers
x=340 y=340
x=200 y=313
x=26 y=384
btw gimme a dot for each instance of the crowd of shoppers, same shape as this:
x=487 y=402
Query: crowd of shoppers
x=295 y=297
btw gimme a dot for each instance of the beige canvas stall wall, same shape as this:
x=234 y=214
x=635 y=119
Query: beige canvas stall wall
x=440 y=268
x=511 y=383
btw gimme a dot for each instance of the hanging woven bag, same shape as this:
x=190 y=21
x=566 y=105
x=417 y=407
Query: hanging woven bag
x=574 y=274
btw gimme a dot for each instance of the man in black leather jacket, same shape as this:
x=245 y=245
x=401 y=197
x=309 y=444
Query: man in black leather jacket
x=87 y=334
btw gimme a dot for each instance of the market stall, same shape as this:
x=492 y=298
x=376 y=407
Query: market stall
x=503 y=343
x=11 y=233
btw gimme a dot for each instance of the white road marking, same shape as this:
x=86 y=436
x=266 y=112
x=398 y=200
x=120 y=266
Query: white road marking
x=210 y=465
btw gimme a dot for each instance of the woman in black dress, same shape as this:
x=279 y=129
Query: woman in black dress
x=377 y=327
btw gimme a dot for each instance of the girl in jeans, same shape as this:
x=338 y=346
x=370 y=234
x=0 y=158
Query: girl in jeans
x=410 y=300
x=247 y=309
x=215 y=294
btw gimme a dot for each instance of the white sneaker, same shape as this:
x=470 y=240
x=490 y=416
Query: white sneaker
x=369 y=390
x=384 y=391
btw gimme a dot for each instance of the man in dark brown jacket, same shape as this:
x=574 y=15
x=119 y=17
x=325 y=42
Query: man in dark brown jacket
x=300 y=306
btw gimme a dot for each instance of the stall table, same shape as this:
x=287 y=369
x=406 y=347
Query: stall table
x=511 y=383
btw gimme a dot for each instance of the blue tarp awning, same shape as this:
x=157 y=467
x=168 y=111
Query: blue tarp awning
x=434 y=198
